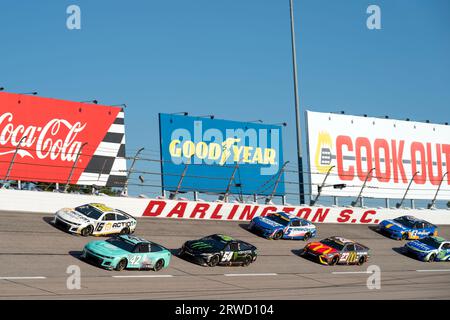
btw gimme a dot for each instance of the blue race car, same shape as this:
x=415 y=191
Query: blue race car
x=429 y=249
x=281 y=225
x=407 y=228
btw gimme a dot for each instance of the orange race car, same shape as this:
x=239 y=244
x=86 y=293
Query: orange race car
x=337 y=250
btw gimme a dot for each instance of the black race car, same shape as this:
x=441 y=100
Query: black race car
x=218 y=249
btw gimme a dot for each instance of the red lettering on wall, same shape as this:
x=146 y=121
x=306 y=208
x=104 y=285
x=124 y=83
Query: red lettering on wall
x=266 y=210
x=320 y=215
x=154 y=208
x=345 y=215
x=248 y=213
x=179 y=210
x=215 y=215
x=200 y=208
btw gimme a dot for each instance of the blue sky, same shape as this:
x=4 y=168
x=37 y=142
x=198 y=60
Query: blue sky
x=231 y=59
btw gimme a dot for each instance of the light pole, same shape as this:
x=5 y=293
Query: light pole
x=73 y=167
x=297 y=109
x=319 y=188
x=125 y=187
x=362 y=188
x=399 y=205
x=14 y=157
x=431 y=205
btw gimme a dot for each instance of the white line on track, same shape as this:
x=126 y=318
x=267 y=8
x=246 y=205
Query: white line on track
x=248 y=274
x=147 y=276
x=351 y=272
x=434 y=270
x=21 y=278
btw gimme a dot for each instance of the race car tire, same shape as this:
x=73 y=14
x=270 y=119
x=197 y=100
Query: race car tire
x=214 y=261
x=432 y=257
x=125 y=230
x=361 y=261
x=405 y=236
x=247 y=261
x=159 y=265
x=306 y=236
x=87 y=231
x=278 y=235
x=121 y=265
x=334 y=261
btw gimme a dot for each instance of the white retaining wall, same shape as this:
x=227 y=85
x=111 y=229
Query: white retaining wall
x=49 y=202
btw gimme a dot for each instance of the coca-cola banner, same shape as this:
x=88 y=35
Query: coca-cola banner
x=385 y=156
x=52 y=140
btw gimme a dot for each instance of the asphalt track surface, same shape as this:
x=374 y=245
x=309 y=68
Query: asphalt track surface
x=34 y=257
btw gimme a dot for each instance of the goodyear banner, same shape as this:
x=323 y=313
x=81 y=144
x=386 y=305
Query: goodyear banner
x=388 y=155
x=211 y=155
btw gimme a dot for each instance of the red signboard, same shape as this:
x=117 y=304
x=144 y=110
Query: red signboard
x=51 y=134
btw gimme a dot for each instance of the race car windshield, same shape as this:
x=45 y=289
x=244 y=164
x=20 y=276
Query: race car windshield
x=89 y=211
x=333 y=244
x=214 y=242
x=431 y=242
x=278 y=219
x=405 y=221
x=122 y=244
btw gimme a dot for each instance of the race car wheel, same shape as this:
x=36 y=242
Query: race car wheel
x=214 y=261
x=432 y=257
x=125 y=230
x=334 y=261
x=405 y=236
x=247 y=261
x=121 y=265
x=158 y=265
x=306 y=236
x=278 y=235
x=87 y=231
x=361 y=260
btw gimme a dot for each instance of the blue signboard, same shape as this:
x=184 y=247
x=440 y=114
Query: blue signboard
x=216 y=156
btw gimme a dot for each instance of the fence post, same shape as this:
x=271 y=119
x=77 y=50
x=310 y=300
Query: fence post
x=14 y=158
x=73 y=167
x=125 y=187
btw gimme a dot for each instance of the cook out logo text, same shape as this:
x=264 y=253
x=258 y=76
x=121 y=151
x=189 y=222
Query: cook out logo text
x=392 y=160
x=230 y=146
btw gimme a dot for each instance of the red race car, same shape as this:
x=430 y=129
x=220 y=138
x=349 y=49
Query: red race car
x=337 y=250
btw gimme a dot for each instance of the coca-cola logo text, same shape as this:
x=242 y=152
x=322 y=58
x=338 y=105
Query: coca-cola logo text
x=56 y=139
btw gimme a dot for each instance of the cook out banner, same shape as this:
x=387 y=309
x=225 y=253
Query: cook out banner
x=49 y=202
x=210 y=152
x=56 y=134
x=391 y=153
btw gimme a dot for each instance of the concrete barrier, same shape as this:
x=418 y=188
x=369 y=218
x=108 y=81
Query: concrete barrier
x=50 y=202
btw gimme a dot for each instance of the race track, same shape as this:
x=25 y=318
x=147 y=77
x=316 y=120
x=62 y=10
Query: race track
x=34 y=257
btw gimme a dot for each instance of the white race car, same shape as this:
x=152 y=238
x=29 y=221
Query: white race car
x=94 y=219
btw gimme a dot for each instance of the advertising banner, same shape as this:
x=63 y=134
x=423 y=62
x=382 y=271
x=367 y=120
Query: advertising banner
x=48 y=137
x=216 y=156
x=387 y=155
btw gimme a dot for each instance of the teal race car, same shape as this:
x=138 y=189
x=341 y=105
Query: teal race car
x=429 y=249
x=126 y=252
